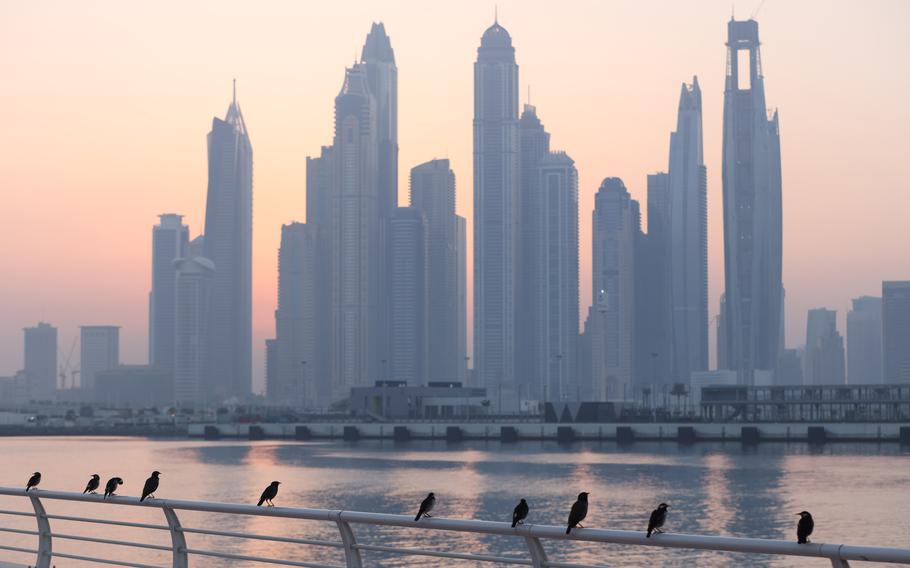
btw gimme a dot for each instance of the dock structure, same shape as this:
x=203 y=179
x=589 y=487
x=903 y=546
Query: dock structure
x=347 y=550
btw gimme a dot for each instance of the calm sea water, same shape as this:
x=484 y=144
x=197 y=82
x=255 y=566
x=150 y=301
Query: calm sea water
x=858 y=493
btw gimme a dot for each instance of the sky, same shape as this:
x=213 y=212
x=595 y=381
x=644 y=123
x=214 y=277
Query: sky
x=105 y=106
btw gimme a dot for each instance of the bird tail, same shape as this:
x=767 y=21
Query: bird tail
x=649 y=534
x=568 y=530
x=141 y=499
x=417 y=518
x=801 y=540
x=514 y=522
x=259 y=504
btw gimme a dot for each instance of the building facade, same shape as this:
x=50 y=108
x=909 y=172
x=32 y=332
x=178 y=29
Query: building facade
x=496 y=173
x=409 y=330
x=228 y=244
x=824 y=358
x=896 y=331
x=864 y=341
x=170 y=239
x=752 y=211
x=99 y=350
x=41 y=360
x=193 y=301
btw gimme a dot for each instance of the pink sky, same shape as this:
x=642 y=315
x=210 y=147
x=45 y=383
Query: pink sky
x=106 y=104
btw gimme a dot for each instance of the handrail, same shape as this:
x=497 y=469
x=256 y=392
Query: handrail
x=532 y=534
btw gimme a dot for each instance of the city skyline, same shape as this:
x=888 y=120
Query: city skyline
x=267 y=231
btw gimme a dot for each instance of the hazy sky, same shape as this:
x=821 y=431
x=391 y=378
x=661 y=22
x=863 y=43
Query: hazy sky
x=105 y=106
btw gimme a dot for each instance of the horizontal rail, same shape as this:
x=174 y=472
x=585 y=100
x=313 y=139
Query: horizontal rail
x=107 y=522
x=113 y=542
x=833 y=552
x=104 y=560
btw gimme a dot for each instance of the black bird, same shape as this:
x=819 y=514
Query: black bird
x=270 y=492
x=151 y=485
x=578 y=513
x=93 y=483
x=658 y=516
x=33 y=481
x=804 y=527
x=111 y=486
x=426 y=506
x=520 y=513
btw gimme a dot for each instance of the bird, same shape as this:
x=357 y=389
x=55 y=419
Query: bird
x=520 y=513
x=93 y=483
x=658 y=516
x=151 y=484
x=426 y=506
x=804 y=527
x=33 y=481
x=578 y=513
x=270 y=492
x=111 y=486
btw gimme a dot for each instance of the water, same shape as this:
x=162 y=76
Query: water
x=858 y=493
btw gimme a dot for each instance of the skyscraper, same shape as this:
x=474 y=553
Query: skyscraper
x=170 y=238
x=41 y=360
x=408 y=295
x=688 y=238
x=495 y=210
x=195 y=279
x=546 y=280
x=864 y=341
x=433 y=193
x=824 y=360
x=461 y=278
x=615 y=227
x=99 y=350
x=228 y=244
x=896 y=331
x=298 y=359
x=752 y=211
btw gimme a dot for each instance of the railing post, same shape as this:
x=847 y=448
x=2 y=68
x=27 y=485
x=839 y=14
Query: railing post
x=45 y=548
x=351 y=552
x=178 y=539
x=538 y=554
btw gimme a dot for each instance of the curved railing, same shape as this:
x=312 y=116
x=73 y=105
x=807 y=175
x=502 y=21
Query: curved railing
x=533 y=536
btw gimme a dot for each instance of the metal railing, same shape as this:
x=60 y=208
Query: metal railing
x=533 y=536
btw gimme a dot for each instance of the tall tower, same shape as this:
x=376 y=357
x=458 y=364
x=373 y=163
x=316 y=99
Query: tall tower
x=495 y=211
x=195 y=277
x=433 y=193
x=170 y=238
x=688 y=238
x=752 y=211
x=864 y=341
x=228 y=244
x=824 y=359
x=896 y=331
x=41 y=360
x=408 y=295
x=547 y=275
x=378 y=59
x=99 y=350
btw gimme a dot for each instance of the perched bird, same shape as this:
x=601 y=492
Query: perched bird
x=270 y=492
x=151 y=484
x=111 y=486
x=520 y=513
x=93 y=483
x=33 y=481
x=804 y=527
x=426 y=506
x=658 y=516
x=578 y=513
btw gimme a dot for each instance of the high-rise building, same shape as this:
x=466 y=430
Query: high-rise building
x=496 y=173
x=99 y=349
x=297 y=354
x=688 y=238
x=652 y=342
x=789 y=368
x=228 y=244
x=864 y=341
x=170 y=239
x=433 y=194
x=546 y=280
x=896 y=331
x=195 y=279
x=824 y=359
x=408 y=295
x=461 y=278
x=41 y=360
x=752 y=211
x=616 y=225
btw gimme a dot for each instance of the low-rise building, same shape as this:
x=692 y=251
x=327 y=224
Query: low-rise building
x=395 y=400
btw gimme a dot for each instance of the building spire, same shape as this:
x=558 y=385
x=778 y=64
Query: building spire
x=495 y=14
x=234 y=97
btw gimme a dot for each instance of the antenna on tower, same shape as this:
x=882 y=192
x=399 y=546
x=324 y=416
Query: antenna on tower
x=495 y=14
x=235 y=91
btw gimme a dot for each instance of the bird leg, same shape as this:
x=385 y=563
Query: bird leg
x=427 y=515
x=579 y=526
x=658 y=531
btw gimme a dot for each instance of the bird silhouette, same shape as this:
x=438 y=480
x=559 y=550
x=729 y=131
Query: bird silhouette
x=658 y=516
x=804 y=527
x=520 y=513
x=151 y=485
x=578 y=513
x=270 y=492
x=33 y=481
x=111 y=486
x=93 y=483
x=426 y=506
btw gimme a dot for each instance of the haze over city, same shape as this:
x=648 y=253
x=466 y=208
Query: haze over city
x=106 y=107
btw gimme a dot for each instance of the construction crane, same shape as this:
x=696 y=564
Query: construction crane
x=65 y=368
